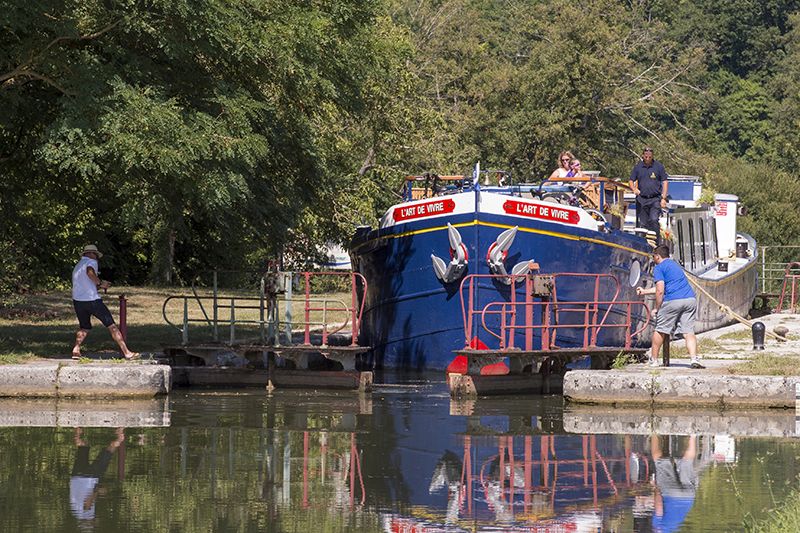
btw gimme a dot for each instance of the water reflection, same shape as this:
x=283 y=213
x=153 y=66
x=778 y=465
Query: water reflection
x=405 y=459
x=84 y=484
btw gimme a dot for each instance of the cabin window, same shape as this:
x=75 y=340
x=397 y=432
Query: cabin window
x=680 y=242
x=702 y=240
x=714 y=236
x=691 y=243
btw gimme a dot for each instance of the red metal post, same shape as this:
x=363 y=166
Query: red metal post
x=528 y=313
x=353 y=300
x=503 y=329
x=307 y=336
x=546 y=326
x=586 y=325
x=628 y=324
x=471 y=310
x=123 y=316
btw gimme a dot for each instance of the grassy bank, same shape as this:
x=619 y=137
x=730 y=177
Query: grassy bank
x=765 y=364
x=44 y=325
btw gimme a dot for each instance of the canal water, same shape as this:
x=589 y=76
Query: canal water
x=402 y=459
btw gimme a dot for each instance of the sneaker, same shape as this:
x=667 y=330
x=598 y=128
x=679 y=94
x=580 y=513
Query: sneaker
x=654 y=362
x=697 y=366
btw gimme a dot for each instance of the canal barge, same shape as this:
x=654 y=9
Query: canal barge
x=444 y=265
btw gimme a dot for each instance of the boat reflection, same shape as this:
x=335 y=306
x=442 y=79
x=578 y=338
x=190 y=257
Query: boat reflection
x=494 y=464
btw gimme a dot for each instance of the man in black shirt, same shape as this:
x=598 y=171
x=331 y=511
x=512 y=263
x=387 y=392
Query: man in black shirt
x=649 y=182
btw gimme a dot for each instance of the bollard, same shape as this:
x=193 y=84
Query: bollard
x=123 y=317
x=759 y=331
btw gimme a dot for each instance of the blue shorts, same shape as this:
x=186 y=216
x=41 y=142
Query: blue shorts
x=86 y=310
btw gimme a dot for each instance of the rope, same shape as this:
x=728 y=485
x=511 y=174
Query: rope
x=730 y=312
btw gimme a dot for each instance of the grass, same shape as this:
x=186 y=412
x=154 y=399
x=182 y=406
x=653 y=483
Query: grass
x=765 y=364
x=747 y=335
x=43 y=325
x=742 y=335
x=677 y=348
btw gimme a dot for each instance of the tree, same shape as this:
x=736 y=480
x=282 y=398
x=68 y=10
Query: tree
x=208 y=125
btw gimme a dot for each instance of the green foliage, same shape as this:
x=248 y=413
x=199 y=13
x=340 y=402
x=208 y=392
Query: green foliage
x=622 y=360
x=182 y=136
x=770 y=196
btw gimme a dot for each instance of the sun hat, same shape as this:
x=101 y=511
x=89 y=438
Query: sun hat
x=92 y=248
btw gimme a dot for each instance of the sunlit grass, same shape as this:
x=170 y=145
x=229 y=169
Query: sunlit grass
x=765 y=364
x=747 y=335
x=741 y=335
x=15 y=359
x=677 y=348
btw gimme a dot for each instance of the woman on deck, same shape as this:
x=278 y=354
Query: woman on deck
x=575 y=170
x=564 y=159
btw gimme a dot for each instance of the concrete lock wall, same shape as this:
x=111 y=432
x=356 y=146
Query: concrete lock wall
x=110 y=380
x=656 y=388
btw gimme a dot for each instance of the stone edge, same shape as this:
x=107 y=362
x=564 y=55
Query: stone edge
x=679 y=389
x=84 y=381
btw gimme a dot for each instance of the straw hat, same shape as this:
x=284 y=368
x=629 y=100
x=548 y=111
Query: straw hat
x=92 y=248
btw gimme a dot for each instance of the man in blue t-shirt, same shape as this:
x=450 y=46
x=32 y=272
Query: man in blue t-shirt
x=649 y=182
x=675 y=306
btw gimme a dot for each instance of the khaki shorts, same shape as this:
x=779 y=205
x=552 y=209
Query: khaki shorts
x=677 y=316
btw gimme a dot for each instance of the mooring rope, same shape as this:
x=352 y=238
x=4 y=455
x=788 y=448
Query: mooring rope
x=730 y=312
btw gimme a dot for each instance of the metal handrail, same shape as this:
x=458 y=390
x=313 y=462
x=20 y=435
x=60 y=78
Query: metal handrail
x=310 y=304
x=773 y=267
x=509 y=330
x=590 y=309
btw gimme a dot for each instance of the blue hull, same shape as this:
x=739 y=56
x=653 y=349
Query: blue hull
x=414 y=321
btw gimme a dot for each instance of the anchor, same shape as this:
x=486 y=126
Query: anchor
x=497 y=254
x=450 y=272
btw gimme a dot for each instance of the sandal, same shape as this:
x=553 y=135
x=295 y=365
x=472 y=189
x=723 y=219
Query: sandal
x=76 y=357
x=133 y=356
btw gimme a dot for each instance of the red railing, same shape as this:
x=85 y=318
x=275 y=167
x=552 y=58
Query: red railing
x=595 y=312
x=354 y=311
x=791 y=280
x=588 y=470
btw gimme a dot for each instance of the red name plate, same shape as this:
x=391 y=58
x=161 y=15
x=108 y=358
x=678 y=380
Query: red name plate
x=437 y=207
x=543 y=212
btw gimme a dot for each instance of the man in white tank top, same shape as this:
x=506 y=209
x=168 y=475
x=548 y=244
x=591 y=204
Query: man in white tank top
x=87 y=302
